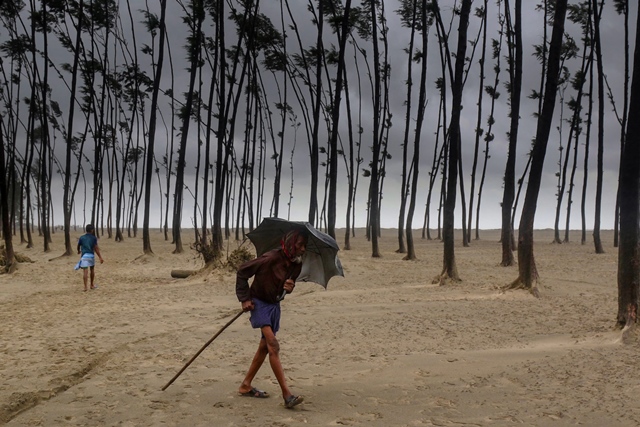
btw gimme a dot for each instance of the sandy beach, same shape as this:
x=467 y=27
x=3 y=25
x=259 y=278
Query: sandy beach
x=383 y=346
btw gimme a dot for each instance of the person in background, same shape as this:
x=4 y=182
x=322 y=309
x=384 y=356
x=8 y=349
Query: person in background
x=88 y=248
x=274 y=274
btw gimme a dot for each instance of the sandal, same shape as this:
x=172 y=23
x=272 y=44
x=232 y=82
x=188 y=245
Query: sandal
x=292 y=401
x=254 y=392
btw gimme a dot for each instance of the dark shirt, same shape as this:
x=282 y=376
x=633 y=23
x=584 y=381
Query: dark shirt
x=269 y=273
x=87 y=243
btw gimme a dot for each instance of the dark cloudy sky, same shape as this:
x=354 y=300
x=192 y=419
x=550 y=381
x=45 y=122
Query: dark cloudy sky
x=612 y=36
x=613 y=39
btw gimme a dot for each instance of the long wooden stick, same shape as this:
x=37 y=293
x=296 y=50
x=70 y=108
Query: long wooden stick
x=202 y=349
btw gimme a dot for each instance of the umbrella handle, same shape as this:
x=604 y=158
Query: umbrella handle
x=284 y=291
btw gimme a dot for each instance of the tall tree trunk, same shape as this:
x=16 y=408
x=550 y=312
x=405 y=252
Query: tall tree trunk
x=194 y=58
x=528 y=274
x=374 y=216
x=284 y=112
x=623 y=8
x=9 y=256
x=494 y=94
x=449 y=268
x=409 y=18
x=222 y=148
x=479 y=131
x=585 y=174
x=438 y=157
x=629 y=248
x=44 y=137
x=68 y=197
x=313 y=190
x=422 y=105
x=598 y=207
x=335 y=121
x=146 y=237
x=576 y=120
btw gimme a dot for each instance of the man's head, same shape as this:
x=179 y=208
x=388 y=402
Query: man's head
x=89 y=228
x=294 y=245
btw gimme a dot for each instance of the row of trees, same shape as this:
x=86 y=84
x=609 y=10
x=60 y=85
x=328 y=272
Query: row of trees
x=93 y=99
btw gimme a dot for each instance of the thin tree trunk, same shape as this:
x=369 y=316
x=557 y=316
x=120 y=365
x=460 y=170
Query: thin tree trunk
x=222 y=149
x=146 y=236
x=422 y=105
x=194 y=56
x=576 y=121
x=313 y=190
x=68 y=197
x=449 y=268
x=598 y=202
x=587 y=147
x=528 y=274
x=479 y=130
x=624 y=10
x=335 y=121
x=411 y=22
x=374 y=216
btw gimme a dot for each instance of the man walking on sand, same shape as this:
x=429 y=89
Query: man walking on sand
x=88 y=247
x=274 y=273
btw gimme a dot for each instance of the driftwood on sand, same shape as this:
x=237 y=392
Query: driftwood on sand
x=181 y=274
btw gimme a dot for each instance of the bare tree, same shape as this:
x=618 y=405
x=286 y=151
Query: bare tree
x=449 y=268
x=335 y=121
x=587 y=148
x=374 y=187
x=622 y=8
x=68 y=196
x=9 y=257
x=582 y=15
x=194 y=19
x=629 y=248
x=354 y=162
x=422 y=105
x=528 y=274
x=313 y=191
x=482 y=13
x=146 y=237
x=222 y=149
x=494 y=94
x=43 y=25
x=597 y=241
x=408 y=12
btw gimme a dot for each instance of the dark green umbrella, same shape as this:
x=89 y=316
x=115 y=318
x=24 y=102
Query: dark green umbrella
x=320 y=261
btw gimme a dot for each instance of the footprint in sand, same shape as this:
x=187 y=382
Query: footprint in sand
x=344 y=422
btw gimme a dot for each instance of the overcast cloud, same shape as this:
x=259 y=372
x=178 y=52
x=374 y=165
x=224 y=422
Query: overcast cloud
x=612 y=36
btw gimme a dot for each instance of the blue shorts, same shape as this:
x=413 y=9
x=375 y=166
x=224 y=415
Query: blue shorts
x=265 y=314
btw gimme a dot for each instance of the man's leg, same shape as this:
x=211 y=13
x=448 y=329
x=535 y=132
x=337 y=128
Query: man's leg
x=93 y=275
x=85 y=277
x=256 y=363
x=273 y=348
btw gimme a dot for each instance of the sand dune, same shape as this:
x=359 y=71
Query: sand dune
x=383 y=346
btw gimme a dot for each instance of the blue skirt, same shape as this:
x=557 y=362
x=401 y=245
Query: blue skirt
x=87 y=260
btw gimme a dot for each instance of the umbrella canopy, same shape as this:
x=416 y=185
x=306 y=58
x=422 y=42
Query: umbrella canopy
x=321 y=260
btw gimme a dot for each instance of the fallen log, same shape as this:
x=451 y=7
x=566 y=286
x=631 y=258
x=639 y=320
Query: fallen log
x=181 y=274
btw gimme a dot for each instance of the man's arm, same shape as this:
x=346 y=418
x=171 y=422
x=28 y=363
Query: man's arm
x=96 y=249
x=245 y=272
